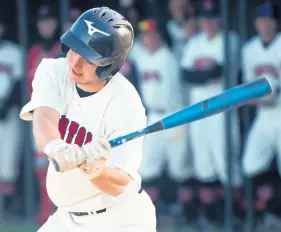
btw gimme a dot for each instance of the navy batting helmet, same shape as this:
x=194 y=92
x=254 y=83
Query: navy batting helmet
x=103 y=37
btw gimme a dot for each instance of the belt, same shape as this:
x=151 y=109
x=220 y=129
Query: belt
x=95 y=212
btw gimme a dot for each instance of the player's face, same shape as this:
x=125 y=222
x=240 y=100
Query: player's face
x=150 y=40
x=266 y=26
x=80 y=70
x=209 y=25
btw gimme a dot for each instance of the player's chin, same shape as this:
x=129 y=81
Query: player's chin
x=76 y=78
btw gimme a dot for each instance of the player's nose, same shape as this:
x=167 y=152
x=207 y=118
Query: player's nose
x=76 y=60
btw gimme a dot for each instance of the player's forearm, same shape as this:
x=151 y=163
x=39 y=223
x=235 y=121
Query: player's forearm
x=45 y=126
x=111 y=181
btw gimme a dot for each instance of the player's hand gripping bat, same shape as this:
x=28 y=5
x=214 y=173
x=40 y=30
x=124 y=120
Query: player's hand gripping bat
x=231 y=98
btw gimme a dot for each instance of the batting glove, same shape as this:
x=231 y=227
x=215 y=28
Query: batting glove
x=68 y=156
x=98 y=153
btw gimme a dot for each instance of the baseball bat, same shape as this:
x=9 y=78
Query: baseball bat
x=231 y=98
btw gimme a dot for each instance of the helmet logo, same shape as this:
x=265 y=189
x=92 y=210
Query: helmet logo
x=92 y=30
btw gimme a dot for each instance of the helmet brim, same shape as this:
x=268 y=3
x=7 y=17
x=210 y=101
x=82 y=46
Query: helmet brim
x=75 y=44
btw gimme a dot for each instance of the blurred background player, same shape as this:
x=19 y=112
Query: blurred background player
x=130 y=10
x=265 y=133
x=161 y=91
x=47 y=46
x=11 y=76
x=74 y=14
x=133 y=11
x=203 y=63
x=181 y=25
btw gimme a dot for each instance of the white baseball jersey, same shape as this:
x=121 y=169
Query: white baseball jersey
x=11 y=70
x=114 y=111
x=201 y=53
x=263 y=140
x=160 y=80
x=259 y=60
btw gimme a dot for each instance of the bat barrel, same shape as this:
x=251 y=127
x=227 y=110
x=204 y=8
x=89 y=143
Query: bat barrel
x=231 y=98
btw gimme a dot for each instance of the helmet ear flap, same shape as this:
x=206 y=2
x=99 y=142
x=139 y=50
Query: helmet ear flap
x=64 y=49
x=106 y=72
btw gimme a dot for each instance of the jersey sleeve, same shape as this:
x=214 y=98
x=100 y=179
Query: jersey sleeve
x=123 y=119
x=46 y=91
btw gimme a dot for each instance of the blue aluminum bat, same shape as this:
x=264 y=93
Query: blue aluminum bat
x=229 y=99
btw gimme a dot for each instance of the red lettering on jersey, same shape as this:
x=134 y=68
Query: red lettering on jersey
x=80 y=136
x=63 y=123
x=89 y=137
x=72 y=130
x=150 y=75
x=268 y=68
x=204 y=63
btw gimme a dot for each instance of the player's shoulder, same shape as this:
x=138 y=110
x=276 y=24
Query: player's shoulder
x=55 y=68
x=251 y=43
x=196 y=40
x=54 y=65
x=12 y=47
x=278 y=38
x=125 y=94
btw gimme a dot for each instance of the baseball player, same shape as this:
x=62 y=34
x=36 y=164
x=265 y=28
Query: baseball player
x=261 y=57
x=11 y=75
x=162 y=95
x=182 y=24
x=203 y=61
x=78 y=104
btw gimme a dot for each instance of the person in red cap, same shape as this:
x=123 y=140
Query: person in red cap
x=261 y=57
x=46 y=47
x=162 y=94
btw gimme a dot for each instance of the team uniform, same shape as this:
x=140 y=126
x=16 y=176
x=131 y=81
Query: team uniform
x=11 y=73
x=264 y=136
x=162 y=95
x=83 y=119
x=209 y=154
x=102 y=38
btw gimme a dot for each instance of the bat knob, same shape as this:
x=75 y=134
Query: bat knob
x=56 y=165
